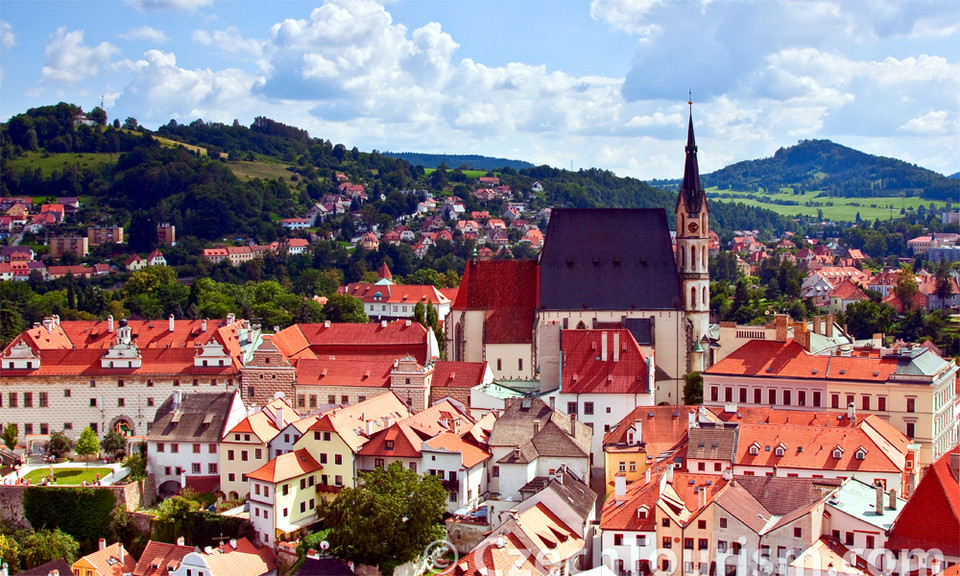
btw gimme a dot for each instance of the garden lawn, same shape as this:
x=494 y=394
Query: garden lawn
x=68 y=476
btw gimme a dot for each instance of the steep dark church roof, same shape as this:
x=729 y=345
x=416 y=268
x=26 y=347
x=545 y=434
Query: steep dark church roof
x=690 y=189
x=608 y=259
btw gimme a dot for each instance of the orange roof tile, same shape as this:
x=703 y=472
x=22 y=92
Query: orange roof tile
x=350 y=422
x=243 y=560
x=107 y=560
x=286 y=466
x=450 y=442
x=789 y=359
x=157 y=556
x=931 y=517
x=585 y=371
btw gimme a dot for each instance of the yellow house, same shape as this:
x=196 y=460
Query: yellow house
x=245 y=447
x=335 y=439
x=110 y=560
x=634 y=444
x=283 y=496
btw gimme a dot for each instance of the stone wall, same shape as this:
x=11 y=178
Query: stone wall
x=11 y=500
x=465 y=535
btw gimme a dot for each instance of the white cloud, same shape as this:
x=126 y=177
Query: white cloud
x=7 y=38
x=169 y=5
x=145 y=33
x=933 y=122
x=631 y=16
x=229 y=40
x=68 y=60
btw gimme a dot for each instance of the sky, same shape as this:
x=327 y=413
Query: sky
x=572 y=84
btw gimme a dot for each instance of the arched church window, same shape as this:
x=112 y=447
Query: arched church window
x=703 y=255
x=581 y=325
x=704 y=300
x=693 y=257
x=693 y=297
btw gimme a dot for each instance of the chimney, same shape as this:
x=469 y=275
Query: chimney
x=48 y=324
x=203 y=325
x=278 y=417
x=180 y=541
x=383 y=323
x=177 y=397
x=852 y=413
x=816 y=325
x=638 y=432
x=553 y=403
x=727 y=474
x=110 y=323
x=879 y=504
x=326 y=323
x=171 y=322
x=103 y=543
x=702 y=497
x=616 y=346
x=828 y=326
x=122 y=553
x=231 y=318
x=692 y=419
x=603 y=346
x=573 y=424
x=56 y=319
x=646 y=476
x=536 y=427
x=893 y=499
x=620 y=486
x=370 y=427
x=780 y=327
x=516 y=452
x=877 y=339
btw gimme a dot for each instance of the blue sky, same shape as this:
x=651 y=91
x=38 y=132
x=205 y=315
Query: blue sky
x=566 y=83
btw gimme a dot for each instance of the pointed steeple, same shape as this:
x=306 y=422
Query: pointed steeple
x=690 y=189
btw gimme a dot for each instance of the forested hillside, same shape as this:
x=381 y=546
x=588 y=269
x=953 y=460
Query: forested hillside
x=837 y=171
x=455 y=160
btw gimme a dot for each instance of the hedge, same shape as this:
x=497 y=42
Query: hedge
x=84 y=513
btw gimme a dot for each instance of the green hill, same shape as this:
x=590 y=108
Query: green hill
x=471 y=161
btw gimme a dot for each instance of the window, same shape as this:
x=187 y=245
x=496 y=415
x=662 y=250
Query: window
x=714 y=394
x=702 y=544
x=332 y=399
x=667 y=542
x=149 y=401
x=865 y=403
x=754 y=450
x=323 y=457
x=772 y=396
x=633 y=466
x=231 y=477
x=496 y=472
x=688 y=543
x=911 y=405
x=665 y=523
x=266 y=490
x=882 y=403
x=786 y=397
x=42 y=399
x=519 y=363
x=196 y=382
x=801 y=398
x=338 y=480
x=344 y=399
x=723 y=522
x=176 y=382
x=641 y=540
x=243 y=455
x=588 y=408
x=816 y=399
x=28 y=428
x=167 y=471
x=717 y=467
x=66 y=393
x=195 y=468
x=326 y=436
x=850 y=400
x=68 y=425
x=196 y=448
x=837 y=454
x=212 y=448
x=229 y=454
x=338 y=459
x=779 y=451
x=286 y=488
x=303 y=507
x=848 y=538
x=701 y=466
x=911 y=429
x=250 y=393
x=701 y=524
x=835 y=401
x=728 y=394
x=212 y=468
x=499 y=364
x=174 y=448
x=121 y=402
x=618 y=539
x=798 y=532
x=160 y=446
x=571 y=407
x=258 y=453
x=743 y=395
x=623 y=467
x=871 y=542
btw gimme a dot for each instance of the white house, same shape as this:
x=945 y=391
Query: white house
x=462 y=466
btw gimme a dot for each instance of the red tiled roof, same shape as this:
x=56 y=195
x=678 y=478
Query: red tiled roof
x=157 y=556
x=659 y=432
x=788 y=359
x=244 y=560
x=87 y=363
x=449 y=441
x=350 y=422
x=395 y=293
x=286 y=466
x=405 y=442
x=508 y=291
x=339 y=372
x=931 y=517
x=847 y=290
x=346 y=339
x=101 y=560
x=448 y=374
x=585 y=371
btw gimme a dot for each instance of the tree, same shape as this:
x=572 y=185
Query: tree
x=114 y=443
x=906 y=287
x=344 y=308
x=48 y=545
x=137 y=464
x=693 y=388
x=88 y=443
x=411 y=504
x=9 y=436
x=944 y=283
x=59 y=444
x=130 y=124
x=98 y=115
x=9 y=552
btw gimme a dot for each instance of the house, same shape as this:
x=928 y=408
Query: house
x=237 y=557
x=114 y=375
x=244 y=448
x=183 y=442
x=284 y=442
x=645 y=436
x=57 y=567
x=283 y=496
x=912 y=388
x=369 y=241
x=156 y=259
x=56 y=210
x=860 y=515
x=845 y=294
x=297 y=246
x=135 y=262
x=296 y=223
x=385 y=300
x=166 y=234
x=530 y=439
x=97 y=235
x=931 y=517
x=337 y=436
x=110 y=560
x=160 y=558
x=604 y=376
x=60 y=245
x=462 y=465
x=17 y=254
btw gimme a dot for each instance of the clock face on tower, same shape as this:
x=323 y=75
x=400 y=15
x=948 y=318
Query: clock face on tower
x=693 y=227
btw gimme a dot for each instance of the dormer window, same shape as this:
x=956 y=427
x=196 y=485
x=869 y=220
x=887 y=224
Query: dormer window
x=642 y=512
x=388 y=444
x=861 y=453
x=837 y=453
x=779 y=451
x=754 y=449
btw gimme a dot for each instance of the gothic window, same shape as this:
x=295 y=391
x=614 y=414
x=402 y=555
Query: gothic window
x=704 y=299
x=693 y=257
x=693 y=297
x=703 y=255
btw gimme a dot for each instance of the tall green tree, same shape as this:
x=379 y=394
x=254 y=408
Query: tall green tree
x=906 y=287
x=113 y=443
x=9 y=435
x=344 y=308
x=45 y=546
x=693 y=388
x=410 y=504
x=59 y=444
x=88 y=444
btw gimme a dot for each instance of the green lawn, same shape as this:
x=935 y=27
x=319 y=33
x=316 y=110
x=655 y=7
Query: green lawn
x=468 y=173
x=69 y=476
x=51 y=163
x=264 y=170
x=807 y=204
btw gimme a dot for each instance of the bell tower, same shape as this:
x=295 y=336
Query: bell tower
x=692 y=255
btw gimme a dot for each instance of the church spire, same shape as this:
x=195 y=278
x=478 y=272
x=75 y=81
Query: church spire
x=690 y=189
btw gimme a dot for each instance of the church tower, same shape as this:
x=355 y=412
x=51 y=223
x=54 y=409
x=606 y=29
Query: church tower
x=692 y=257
